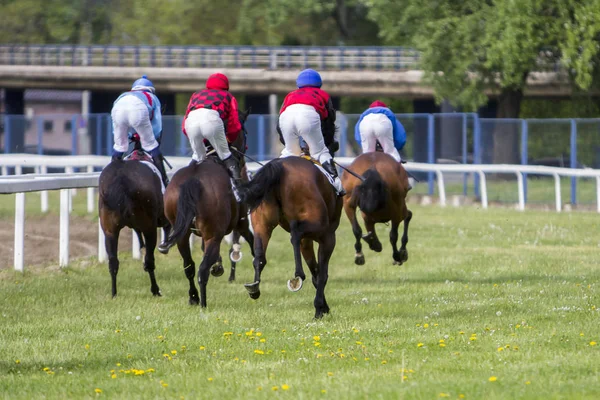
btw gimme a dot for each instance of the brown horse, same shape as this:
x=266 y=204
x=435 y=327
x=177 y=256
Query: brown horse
x=200 y=200
x=292 y=193
x=130 y=195
x=381 y=197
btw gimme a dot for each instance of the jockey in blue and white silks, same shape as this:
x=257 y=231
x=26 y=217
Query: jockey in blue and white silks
x=379 y=124
x=138 y=110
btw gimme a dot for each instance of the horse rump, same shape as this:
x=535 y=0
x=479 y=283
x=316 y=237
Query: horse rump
x=189 y=196
x=267 y=179
x=116 y=196
x=372 y=192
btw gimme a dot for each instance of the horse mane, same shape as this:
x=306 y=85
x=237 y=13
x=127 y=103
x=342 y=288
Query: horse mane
x=372 y=192
x=264 y=182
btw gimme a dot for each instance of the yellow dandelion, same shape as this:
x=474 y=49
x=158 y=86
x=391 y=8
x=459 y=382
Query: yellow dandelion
x=174 y=352
x=435 y=324
x=358 y=343
x=283 y=351
x=275 y=388
x=492 y=379
x=317 y=344
x=442 y=341
x=355 y=330
x=461 y=396
x=442 y=344
x=418 y=325
x=117 y=331
x=263 y=340
x=323 y=391
x=593 y=343
x=114 y=376
x=210 y=379
x=473 y=338
x=581 y=334
x=517 y=326
x=507 y=346
x=17 y=361
x=202 y=348
x=258 y=334
x=528 y=383
x=87 y=346
x=367 y=358
x=227 y=334
x=46 y=369
x=390 y=351
x=515 y=347
x=259 y=388
x=285 y=387
x=425 y=326
x=118 y=364
x=404 y=377
x=257 y=351
x=98 y=390
x=50 y=372
x=383 y=362
x=150 y=370
x=419 y=344
x=250 y=332
x=129 y=356
x=444 y=395
x=500 y=348
x=164 y=384
x=461 y=332
x=160 y=337
x=316 y=338
x=330 y=374
x=283 y=330
x=183 y=348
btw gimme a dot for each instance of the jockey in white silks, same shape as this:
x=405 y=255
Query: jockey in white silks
x=138 y=110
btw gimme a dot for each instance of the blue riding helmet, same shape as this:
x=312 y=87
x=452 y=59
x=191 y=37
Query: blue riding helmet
x=309 y=77
x=143 y=84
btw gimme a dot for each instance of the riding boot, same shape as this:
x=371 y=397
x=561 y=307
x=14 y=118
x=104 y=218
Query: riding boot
x=157 y=160
x=330 y=168
x=234 y=171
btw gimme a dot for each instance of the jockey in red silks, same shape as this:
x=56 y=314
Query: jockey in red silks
x=138 y=110
x=304 y=113
x=212 y=114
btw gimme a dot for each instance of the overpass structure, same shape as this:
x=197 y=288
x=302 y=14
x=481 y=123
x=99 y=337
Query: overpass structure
x=347 y=71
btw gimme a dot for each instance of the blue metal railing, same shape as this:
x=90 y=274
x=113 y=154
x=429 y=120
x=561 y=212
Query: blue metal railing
x=282 y=57
x=560 y=142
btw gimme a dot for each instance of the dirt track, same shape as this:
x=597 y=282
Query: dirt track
x=41 y=240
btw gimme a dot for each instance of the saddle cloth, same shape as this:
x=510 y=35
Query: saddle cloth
x=150 y=165
x=318 y=165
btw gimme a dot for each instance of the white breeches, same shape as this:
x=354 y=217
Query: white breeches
x=300 y=120
x=378 y=128
x=206 y=124
x=131 y=114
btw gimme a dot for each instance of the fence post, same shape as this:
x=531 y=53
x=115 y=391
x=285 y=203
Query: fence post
x=573 y=161
x=74 y=137
x=90 y=193
x=464 y=152
x=476 y=149
x=261 y=137
x=44 y=194
x=19 y=231
x=40 y=135
x=63 y=257
x=524 y=154
x=7 y=134
x=430 y=149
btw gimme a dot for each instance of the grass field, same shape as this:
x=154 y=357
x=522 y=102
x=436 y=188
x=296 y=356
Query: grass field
x=491 y=304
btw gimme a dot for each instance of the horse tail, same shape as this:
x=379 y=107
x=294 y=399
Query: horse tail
x=117 y=196
x=264 y=182
x=190 y=193
x=372 y=192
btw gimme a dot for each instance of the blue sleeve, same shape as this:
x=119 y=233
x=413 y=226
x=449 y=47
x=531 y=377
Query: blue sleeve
x=157 y=121
x=357 y=129
x=399 y=134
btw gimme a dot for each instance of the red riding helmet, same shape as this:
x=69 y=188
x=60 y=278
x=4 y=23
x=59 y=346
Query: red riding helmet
x=378 y=103
x=217 y=81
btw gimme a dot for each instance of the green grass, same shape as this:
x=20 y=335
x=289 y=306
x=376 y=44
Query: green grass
x=526 y=283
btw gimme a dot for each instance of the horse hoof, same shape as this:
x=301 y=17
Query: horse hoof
x=194 y=301
x=400 y=257
x=376 y=247
x=359 y=259
x=163 y=249
x=231 y=279
x=236 y=253
x=157 y=294
x=253 y=289
x=295 y=284
x=217 y=270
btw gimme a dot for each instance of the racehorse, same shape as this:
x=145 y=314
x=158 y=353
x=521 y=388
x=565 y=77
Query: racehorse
x=381 y=198
x=291 y=192
x=200 y=200
x=130 y=194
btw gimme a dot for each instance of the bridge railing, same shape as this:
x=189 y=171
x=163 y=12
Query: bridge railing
x=289 y=57
x=68 y=181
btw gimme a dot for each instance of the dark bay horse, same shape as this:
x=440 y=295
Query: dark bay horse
x=381 y=198
x=130 y=195
x=292 y=193
x=200 y=200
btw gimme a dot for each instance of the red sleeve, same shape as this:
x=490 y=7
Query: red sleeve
x=234 y=125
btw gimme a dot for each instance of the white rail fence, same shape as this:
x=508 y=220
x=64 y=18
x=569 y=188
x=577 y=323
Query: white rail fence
x=69 y=181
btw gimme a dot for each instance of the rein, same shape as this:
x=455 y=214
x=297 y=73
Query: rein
x=247 y=156
x=354 y=174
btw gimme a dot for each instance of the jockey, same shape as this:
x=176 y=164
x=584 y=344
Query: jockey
x=304 y=113
x=379 y=124
x=138 y=110
x=212 y=114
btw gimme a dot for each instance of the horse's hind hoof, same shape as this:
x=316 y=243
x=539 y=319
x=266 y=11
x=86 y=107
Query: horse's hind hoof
x=295 y=284
x=359 y=259
x=194 y=301
x=217 y=270
x=376 y=247
x=253 y=290
x=236 y=253
x=163 y=249
x=400 y=257
x=157 y=294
